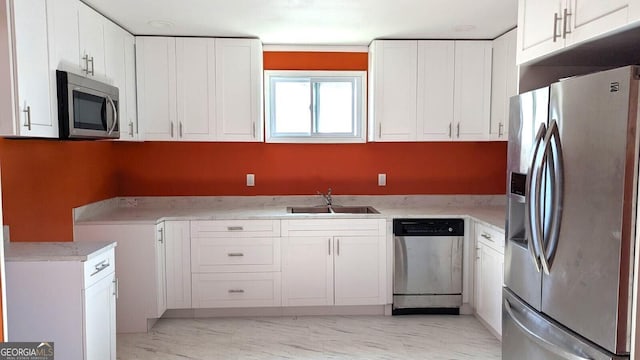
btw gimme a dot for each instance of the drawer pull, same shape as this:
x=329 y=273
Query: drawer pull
x=486 y=236
x=236 y=291
x=235 y=228
x=101 y=266
x=235 y=254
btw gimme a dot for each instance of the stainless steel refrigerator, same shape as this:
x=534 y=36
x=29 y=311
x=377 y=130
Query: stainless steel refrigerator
x=571 y=222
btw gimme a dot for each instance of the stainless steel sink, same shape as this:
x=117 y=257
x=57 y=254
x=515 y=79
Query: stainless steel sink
x=335 y=209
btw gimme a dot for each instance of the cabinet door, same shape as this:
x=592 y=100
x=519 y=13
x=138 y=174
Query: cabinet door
x=116 y=70
x=307 y=271
x=63 y=27
x=129 y=124
x=156 y=79
x=392 y=90
x=539 y=28
x=435 y=89
x=472 y=99
x=589 y=19
x=161 y=274
x=195 y=60
x=238 y=79
x=359 y=270
x=489 y=278
x=34 y=105
x=91 y=32
x=178 y=264
x=100 y=319
x=504 y=82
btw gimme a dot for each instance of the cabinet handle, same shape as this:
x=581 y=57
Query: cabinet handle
x=380 y=131
x=556 y=18
x=93 y=73
x=180 y=128
x=253 y=130
x=101 y=266
x=458 y=130
x=500 y=126
x=116 y=288
x=235 y=254
x=235 y=228
x=28 y=119
x=171 y=129
x=236 y=291
x=486 y=236
x=131 y=128
x=86 y=64
x=564 y=25
x=161 y=231
x=450 y=130
x=338 y=247
x=329 y=245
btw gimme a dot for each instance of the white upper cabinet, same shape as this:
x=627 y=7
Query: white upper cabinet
x=546 y=26
x=129 y=121
x=472 y=98
x=392 y=90
x=199 y=89
x=195 y=64
x=435 y=89
x=25 y=77
x=504 y=83
x=238 y=79
x=65 y=40
x=92 y=44
x=156 y=79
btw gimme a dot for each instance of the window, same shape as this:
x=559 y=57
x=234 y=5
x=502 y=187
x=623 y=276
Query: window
x=315 y=106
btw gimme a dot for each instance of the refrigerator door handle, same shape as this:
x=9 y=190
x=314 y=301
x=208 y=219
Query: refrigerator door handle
x=556 y=168
x=530 y=212
x=533 y=335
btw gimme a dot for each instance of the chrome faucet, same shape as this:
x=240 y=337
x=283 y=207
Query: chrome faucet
x=327 y=197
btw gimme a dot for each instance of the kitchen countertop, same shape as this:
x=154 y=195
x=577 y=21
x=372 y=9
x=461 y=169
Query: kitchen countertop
x=55 y=251
x=489 y=209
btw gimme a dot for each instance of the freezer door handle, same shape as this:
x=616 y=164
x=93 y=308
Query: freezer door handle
x=554 y=155
x=533 y=335
x=530 y=209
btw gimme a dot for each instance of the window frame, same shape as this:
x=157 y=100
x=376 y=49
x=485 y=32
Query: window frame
x=359 y=117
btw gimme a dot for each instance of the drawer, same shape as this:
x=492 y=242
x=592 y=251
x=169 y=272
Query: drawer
x=334 y=227
x=236 y=290
x=235 y=255
x=235 y=228
x=98 y=267
x=490 y=236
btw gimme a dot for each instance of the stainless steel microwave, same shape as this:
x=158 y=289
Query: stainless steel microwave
x=87 y=109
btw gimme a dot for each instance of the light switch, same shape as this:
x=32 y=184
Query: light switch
x=251 y=180
x=382 y=179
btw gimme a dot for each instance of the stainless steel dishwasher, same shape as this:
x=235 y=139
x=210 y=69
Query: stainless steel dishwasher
x=427 y=274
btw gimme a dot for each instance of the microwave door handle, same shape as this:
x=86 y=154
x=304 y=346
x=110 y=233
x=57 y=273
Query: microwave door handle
x=115 y=115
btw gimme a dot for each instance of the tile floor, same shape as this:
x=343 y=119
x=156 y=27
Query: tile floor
x=313 y=337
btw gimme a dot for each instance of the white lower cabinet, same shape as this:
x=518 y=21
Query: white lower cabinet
x=71 y=303
x=334 y=262
x=178 y=264
x=212 y=290
x=489 y=277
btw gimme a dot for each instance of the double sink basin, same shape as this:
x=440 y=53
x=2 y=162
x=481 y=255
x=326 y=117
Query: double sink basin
x=332 y=209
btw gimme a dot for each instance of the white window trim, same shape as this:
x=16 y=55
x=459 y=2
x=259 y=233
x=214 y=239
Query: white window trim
x=361 y=107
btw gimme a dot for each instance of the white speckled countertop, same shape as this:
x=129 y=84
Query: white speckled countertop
x=487 y=208
x=55 y=251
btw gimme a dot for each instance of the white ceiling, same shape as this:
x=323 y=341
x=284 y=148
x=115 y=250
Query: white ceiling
x=314 y=22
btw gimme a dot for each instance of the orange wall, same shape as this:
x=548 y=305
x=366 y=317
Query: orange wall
x=42 y=180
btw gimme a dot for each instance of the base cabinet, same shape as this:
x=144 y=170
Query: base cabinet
x=489 y=277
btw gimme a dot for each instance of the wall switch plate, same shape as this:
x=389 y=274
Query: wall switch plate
x=382 y=179
x=251 y=180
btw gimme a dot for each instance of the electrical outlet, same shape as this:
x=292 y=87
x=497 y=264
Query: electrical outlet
x=382 y=179
x=251 y=180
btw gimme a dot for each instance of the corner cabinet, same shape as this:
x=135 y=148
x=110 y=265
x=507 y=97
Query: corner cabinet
x=545 y=27
x=434 y=90
x=333 y=262
x=141 y=271
x=26 y=89
x=504 y=84
x=199 y=89
x=489 y=277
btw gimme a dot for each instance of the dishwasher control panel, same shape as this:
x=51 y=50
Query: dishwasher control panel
x=428 y=227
